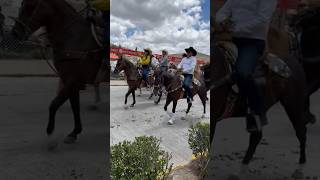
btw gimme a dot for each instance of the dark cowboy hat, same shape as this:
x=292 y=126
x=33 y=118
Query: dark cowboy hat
x=191 y=49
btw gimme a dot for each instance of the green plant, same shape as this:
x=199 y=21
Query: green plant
x=199 y=142
x=142 y=159
x=199 y=139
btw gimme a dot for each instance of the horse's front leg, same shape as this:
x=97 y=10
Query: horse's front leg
x=60 y=99
x=255 y=138
x=126 y=97
x=75 y=105
x=134 y=98
x=168 y=101
x=159 y=98
x=172 y=119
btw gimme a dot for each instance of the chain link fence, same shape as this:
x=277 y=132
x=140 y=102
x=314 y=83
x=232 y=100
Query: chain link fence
x=12 y=48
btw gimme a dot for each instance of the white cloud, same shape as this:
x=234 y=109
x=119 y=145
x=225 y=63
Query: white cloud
x=167 y=24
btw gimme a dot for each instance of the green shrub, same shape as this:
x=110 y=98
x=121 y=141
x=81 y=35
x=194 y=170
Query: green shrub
x=199 y=142
x=142 y=159
x=199 y=139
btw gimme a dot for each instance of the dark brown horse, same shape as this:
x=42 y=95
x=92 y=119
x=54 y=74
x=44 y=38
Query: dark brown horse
x=132 y=75
x=226 y=103
x=306 y=27
x=173 y=86
x=77 y=55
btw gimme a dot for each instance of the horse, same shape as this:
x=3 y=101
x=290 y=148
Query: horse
x=132 y=75
x=77 y=55
x=226 y=102
x=173 y=86
x=306 y=24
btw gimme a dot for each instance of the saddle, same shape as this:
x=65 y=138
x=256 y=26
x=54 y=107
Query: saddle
x=268 y=62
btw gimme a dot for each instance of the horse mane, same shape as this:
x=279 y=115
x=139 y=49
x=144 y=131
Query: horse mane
x=128 y=62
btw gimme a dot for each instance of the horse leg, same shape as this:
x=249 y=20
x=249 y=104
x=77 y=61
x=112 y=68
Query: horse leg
x=159 y=98
x=60 y=99
x=203 y=97
x=168 y=101
x=75 y=105
x=151 y=95
x=134 y=98
x=172 y=119
x=126 y=97
x=255 y=138
x=296 y=117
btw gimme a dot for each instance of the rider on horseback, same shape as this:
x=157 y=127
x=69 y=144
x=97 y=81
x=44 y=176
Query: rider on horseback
x=188 y=65
x=251 y=20
x=145 y=62
x=164 y=62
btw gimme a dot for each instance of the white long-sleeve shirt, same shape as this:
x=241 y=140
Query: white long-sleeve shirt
x=188 y=64
x=251 y=17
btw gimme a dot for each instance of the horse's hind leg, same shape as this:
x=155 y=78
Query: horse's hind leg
x=75 y=105
x=60 y=99
x=255 y=138
x=296 y=116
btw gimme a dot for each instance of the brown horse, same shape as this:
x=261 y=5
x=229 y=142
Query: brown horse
x=173 y=85
x=227 y=103
x=132 y=75
x=77 y=54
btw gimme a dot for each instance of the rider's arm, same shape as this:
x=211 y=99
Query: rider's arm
x=224 y=12
x=180 y=64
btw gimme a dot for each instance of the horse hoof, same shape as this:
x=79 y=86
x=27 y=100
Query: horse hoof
x=132 y=105
x=170 y=122
x=203 y=116
x=183 y=118
x=70 y=140
x=156 y=102
x=125 y=107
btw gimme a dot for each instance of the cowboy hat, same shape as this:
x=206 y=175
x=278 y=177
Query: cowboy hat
x=165 y=51
x=191 y=49
x=149 y=50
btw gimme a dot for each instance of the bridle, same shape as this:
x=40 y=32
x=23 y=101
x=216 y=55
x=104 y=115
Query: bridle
x=119 y=69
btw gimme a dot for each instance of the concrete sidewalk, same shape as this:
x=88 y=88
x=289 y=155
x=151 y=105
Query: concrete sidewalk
x=20 y=68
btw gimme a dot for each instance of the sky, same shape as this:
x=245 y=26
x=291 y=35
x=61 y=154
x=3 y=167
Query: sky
x=161 y=24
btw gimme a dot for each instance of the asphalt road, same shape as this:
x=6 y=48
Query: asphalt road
x=276 y=157
x=149 y=119
x=23 y=142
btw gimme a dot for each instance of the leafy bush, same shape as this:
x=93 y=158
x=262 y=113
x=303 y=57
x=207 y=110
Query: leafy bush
x=142 y=159
x=199 y=142
x=199 y=139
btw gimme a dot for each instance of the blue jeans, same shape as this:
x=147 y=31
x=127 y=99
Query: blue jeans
x=145 y=73
x=187 y=83
x=249 y=51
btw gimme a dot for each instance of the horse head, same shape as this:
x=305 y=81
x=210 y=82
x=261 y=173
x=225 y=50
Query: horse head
x=120 y=65
x=157 y=81
x=32 y=15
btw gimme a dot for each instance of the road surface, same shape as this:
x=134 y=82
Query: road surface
x=23 y=143
x=149 y=119
x=276 y=157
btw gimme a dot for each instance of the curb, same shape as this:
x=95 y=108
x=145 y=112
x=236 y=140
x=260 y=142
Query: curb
x=28 y=75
